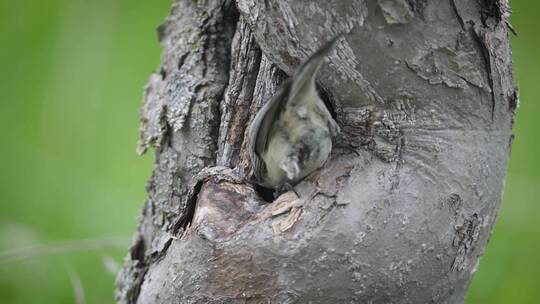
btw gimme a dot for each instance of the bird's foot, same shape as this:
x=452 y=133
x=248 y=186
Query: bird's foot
x=283 y=189
x=290 y=187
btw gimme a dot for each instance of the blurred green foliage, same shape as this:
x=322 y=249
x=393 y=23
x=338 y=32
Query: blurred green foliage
x=509 y=271
x=70 y=88
x=71 y=81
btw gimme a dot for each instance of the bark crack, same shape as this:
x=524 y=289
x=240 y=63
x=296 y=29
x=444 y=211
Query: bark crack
x=458 y=15
x=479 y=38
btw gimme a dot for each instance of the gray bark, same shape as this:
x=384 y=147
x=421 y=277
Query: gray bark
x=404 y=207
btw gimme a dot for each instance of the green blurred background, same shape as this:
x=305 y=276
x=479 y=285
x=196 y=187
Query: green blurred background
x=72 y=73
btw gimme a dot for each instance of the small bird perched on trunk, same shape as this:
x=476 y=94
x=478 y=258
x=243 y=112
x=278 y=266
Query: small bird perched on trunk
x=291 y=136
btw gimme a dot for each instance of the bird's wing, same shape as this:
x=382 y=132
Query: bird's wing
x=308 y=71
x=261 y=126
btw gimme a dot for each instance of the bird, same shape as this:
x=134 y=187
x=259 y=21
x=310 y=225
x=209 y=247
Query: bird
x=291 y=135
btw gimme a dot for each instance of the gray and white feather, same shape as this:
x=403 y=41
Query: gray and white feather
x=291 y=136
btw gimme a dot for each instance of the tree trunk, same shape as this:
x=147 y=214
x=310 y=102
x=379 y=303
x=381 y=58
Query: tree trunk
x=402 y=210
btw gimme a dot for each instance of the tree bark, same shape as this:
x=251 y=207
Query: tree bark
x=402 y=210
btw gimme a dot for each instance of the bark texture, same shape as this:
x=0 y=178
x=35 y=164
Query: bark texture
x=404 y=207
